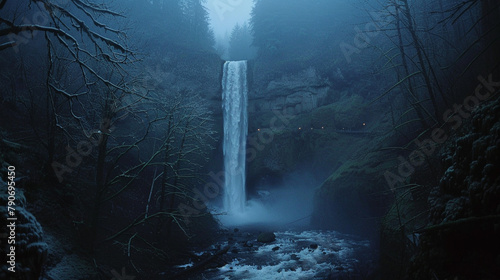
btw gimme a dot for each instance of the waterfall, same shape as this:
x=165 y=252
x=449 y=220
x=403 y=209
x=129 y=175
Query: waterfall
x=234 y=107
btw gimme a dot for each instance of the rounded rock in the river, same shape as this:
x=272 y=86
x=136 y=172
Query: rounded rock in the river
x=266 y=237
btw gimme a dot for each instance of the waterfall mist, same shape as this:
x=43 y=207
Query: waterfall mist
x=289 y=203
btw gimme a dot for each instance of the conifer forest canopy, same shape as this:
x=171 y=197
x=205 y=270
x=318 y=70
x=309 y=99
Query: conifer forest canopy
x=250 y=139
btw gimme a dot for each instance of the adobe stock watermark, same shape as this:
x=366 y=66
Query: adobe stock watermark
x=364 y=36
x=221 y=7
x=454 y=117
x=255 y=144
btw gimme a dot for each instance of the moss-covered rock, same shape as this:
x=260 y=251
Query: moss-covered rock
x=461 y=239
x=276 y=147
x=348 y=112
x=353 y=196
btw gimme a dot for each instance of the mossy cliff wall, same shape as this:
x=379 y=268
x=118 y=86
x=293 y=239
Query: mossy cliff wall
x=461 y=237
x=328 y=130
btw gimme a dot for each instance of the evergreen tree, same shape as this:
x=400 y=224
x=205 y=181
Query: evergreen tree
x=173 y=24
x=199 y=35
x=240 y=43
x=164 y=19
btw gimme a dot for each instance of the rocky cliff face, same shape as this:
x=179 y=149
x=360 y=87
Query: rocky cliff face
x=295 y=94
x=461 y=239
x=328 y=131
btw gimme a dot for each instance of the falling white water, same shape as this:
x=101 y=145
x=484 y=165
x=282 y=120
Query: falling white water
x=234 y=105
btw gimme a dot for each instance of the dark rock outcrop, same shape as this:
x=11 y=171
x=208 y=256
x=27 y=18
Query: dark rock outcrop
x=345 y=201
x=293 y=94
x=461 y=239
x=266 y=237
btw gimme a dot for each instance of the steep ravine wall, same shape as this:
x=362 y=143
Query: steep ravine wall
x=327 y=132
x=296 y=123
x=461 y=237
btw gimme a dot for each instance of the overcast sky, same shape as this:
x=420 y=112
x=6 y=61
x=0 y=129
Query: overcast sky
x=224 y=14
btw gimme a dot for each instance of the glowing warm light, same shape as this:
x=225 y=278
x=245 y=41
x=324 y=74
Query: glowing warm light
x=364 y=124
x=258 y=129
x=300 y=128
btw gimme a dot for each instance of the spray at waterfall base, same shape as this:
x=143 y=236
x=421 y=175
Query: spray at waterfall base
x=272 y=204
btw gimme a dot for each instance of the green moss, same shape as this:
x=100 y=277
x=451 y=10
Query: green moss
x=354 y=193
x=353 y=174
x=324 y=116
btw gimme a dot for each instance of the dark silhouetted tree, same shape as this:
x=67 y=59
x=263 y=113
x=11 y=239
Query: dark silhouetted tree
x=199 y=35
